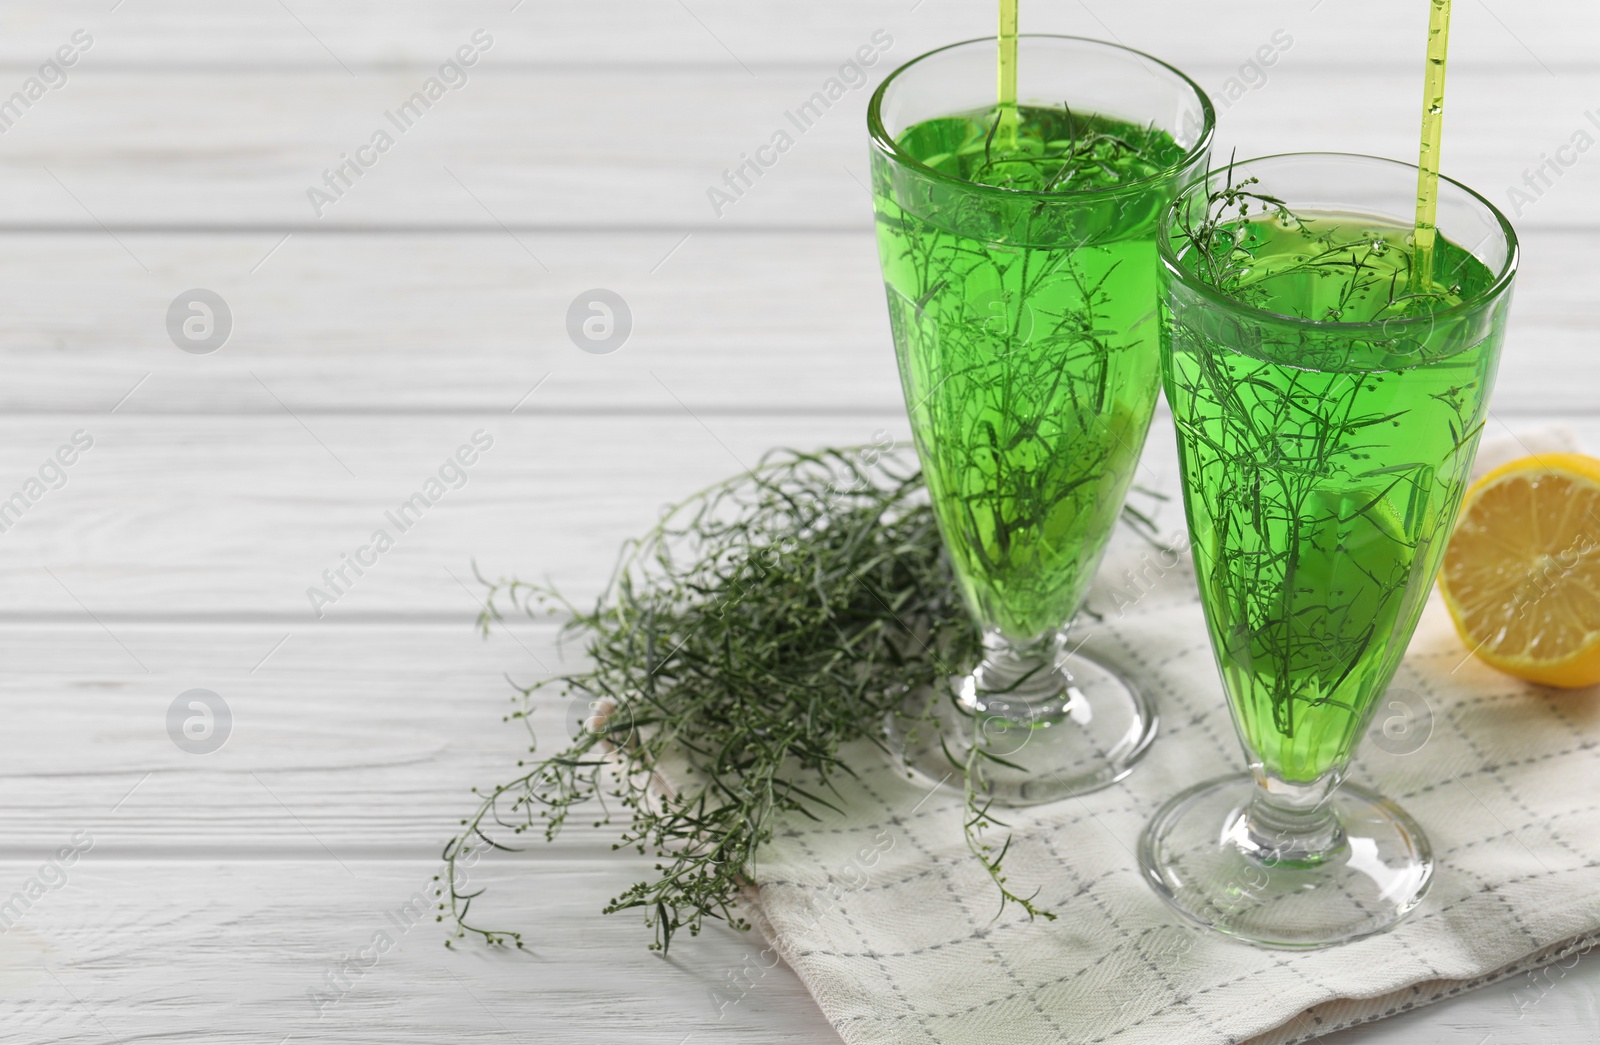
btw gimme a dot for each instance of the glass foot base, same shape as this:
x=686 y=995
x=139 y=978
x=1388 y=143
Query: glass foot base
x=1081 y=733
x=1196 y=853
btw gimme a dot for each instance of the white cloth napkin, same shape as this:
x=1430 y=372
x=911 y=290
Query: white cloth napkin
x=891 y=922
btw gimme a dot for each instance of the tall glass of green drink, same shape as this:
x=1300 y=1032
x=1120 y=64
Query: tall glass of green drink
x=1018 y=245
x=1328 y=402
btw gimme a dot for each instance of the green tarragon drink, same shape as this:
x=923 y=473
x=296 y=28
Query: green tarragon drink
x=1017 y=230
x=1027 y=344
x=1328 y=383
x=1329 y=365
x=1324 y=469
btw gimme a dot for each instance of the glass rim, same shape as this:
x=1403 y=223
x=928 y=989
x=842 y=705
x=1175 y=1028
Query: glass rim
x=1391 y=326
x=884 y=141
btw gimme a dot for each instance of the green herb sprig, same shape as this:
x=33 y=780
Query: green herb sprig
x=1223 y=243
x=1059 y=151
x=763 y=625
x=1220 y=239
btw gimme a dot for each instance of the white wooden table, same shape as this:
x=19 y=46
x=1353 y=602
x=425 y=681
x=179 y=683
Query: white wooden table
x=429 y=301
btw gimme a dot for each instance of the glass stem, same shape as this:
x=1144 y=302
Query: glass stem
x=1024 y=682
x=1292 y=823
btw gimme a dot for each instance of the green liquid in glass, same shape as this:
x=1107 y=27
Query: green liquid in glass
x=1323 y=468
x=1024 y=327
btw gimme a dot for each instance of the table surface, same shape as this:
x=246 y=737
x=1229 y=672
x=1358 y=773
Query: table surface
x=375 y=330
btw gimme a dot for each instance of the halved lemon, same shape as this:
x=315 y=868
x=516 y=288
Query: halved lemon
x=1521 y=576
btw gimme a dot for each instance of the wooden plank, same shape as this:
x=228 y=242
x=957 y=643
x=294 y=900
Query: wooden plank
x=136 y=150
x=362 y=34
x=212 y=950
x=189 y=517
x=774 y=322
x=779 y=322
x=343 y=743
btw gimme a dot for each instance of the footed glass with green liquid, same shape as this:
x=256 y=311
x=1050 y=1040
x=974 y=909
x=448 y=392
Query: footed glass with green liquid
x=1018 y=246
x=1329 y=380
